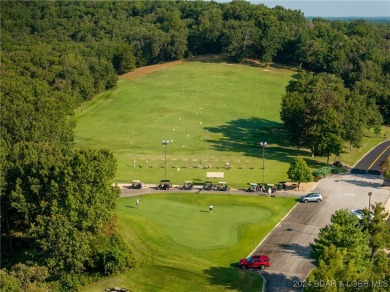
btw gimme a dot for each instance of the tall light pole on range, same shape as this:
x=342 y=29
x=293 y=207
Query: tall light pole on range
x=263 y=144
x=165 y=143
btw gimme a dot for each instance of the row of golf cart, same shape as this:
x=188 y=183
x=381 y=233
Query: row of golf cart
x=189 y=185
x=166 y=185
x=262 y=188
x=210 y=186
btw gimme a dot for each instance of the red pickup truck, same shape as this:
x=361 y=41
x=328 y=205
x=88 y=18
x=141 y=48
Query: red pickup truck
x=256 y=261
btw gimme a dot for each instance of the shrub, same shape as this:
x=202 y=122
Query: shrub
x=112 y=256
x=72 y=282
x=9 y=282
x=322 y=172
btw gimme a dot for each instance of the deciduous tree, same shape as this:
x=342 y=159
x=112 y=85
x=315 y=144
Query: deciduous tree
x=299 y=171
x=345 y=233
x=318 y=101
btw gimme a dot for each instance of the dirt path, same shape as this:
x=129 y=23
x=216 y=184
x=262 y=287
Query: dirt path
x=153 y=68
x=150 y=69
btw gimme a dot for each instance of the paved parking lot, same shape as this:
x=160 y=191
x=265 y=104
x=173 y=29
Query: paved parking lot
x=288 y=244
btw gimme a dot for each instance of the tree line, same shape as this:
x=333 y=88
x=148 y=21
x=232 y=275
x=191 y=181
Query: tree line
x=57 y=211
x=320 y=113
x=79 y=47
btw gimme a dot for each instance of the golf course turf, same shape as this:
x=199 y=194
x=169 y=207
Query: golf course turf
x=179 y=245
x=211 y=113
x=192 y=225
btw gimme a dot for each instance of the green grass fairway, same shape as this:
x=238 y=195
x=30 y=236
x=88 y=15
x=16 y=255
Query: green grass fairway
x=179 y=246
x=212 y=112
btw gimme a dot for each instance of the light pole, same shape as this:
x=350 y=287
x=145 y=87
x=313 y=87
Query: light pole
x=263 y=144
x=369 y=201
x=165 y=143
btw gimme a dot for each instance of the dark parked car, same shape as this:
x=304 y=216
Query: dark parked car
x=256 y=261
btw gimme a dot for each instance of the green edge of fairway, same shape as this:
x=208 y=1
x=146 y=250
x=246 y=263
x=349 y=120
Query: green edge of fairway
x=171 y=263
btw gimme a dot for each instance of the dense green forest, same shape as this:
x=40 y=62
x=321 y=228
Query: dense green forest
x=56 y=55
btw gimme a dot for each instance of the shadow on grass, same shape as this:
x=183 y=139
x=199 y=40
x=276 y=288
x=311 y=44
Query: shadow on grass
x=224 y=58
x=244 y=135
x=231 y=278
x=212 y=58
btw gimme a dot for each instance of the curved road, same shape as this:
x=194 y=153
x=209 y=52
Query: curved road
x=370 y=164
x=288 y=244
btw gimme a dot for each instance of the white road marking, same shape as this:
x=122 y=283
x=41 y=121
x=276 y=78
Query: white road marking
x=348 y=194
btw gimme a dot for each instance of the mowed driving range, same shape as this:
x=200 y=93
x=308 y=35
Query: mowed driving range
x=212 y=113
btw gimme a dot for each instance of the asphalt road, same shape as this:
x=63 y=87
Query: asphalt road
x=288 y=244
x=370 y=164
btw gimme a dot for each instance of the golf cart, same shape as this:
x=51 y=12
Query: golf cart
x=164 y=185
x=253 y=187
x=272 y=187
x=222 y=186
x=188 y=185
x=136 y=184
x=208 y=186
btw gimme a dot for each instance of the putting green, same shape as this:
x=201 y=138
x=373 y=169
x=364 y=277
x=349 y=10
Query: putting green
x=192 y=225
x=166 y=237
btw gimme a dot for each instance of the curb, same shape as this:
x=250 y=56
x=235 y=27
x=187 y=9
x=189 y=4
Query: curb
x=277 y=225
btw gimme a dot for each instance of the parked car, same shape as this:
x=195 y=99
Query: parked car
x=312 y=197
x=256 y=261
x=359 y=213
